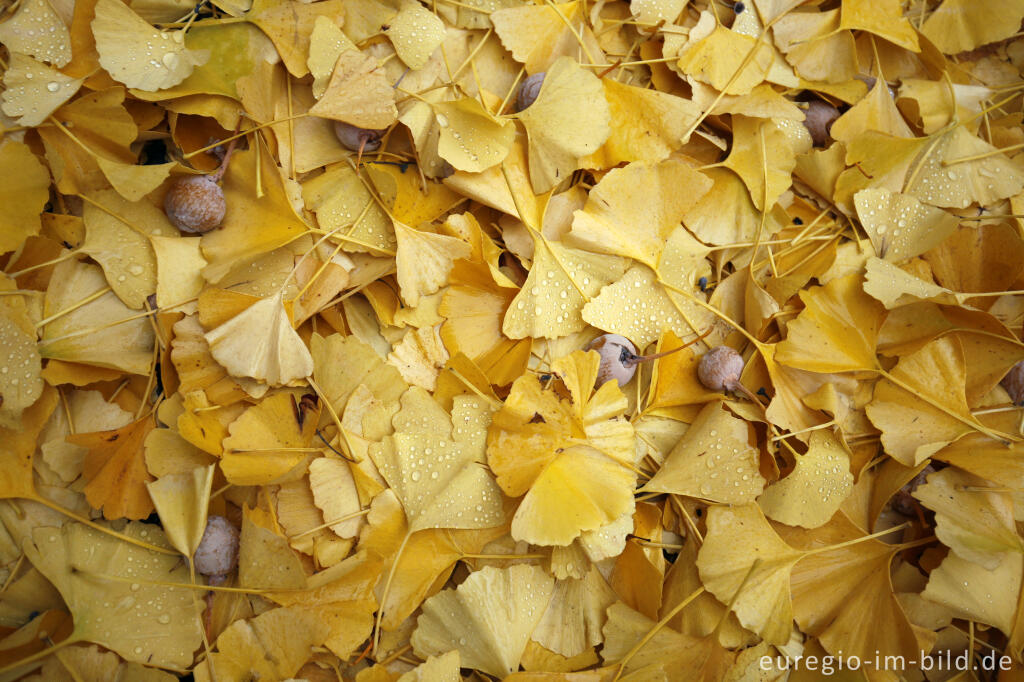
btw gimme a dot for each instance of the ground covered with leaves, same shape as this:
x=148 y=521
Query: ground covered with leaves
x=366 y=425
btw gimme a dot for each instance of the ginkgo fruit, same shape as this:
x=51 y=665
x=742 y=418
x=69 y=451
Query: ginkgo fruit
x=528 y=90
x=217 y=554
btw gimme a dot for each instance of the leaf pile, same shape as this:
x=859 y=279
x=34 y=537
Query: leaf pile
x=377 y=370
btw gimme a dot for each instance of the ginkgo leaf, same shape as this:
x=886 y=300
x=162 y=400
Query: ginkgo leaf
x=21 y=382
x=845 y=596
x=883 y=19
x=260 y=343
x=714 y=460
x=343 y=205
x=763 y=157
x=434 y=463
x=913 y=428
x=268 y=443
x=424 y=260
x=289 y=27
x=179 y=266
x=326 y=44
x=415 y=32
x=568 y=120
x=116 y=237
x=38 y=31
x=977 y=525
x=544 y=460
x=610 y=222
x=837 y=330
x=181 y=500
x=334 y=490
x=343 y=363
x=971 y=591
x=469 y=138
x=894 y=287
x=560 y=282
x=899 y=225
x=744 y=563
x=23 y=195
x=812 y=492
x=716 y=59
x=441 y=668
x=34 y=90
x=138 y=55
x=118 y=593
x=265 y=560
x=273 y=645
x=816 y=47
x=115 y=470
x=573 y=619
x=951 y=176
x=419 y=357
x=647 y=125
x=463 y=619
x=16 y=473
x=960 y=25
x=358 y=93
x=538 y=35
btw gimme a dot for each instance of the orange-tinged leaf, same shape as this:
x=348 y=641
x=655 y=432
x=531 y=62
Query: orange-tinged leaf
x=115 y=470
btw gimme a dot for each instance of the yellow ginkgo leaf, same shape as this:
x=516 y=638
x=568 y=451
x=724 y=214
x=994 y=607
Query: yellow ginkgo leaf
x=470 y=139
x=714 y=460
x=952 y=177
x=102 y=332
x=632 y=210
x=34 y=90
x=264 y=558
x=837 y=330
x=894 y=287
x=334 y=491
x=269 y=443
x=810 y=494
x=415 y=32
x=763 y=157
x=179 y=266
x=182 y=501
x=424 y=260
x=460 y=619
x=21 y=383
x=138 y=55
x=569 y=119
x=883 y=18
x=538 y=35
x=260 y=343
x=961 y=25
x=560 y=282
x=929 y=411
x=572 y=622
x=975 y=593
x=358 y=93
x=976 y=524
x=716 y=59
x=814 y=45
x=38 y=31
x=647 y=124
x=289 y=27
x=326 y=44
x=132 y=181
x=876 y=113
x=116 y=238
x=344 y=363
x=23 y=194
x=271 y=646
x=434 y=463
x=122 y=596
x=441 y=668
x=344 y=206
x=419 y=356
x=546 y=459
x=744 y=563
x=899 y=225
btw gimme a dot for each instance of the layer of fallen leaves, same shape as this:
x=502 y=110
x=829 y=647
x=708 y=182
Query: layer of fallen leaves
x=376 y=367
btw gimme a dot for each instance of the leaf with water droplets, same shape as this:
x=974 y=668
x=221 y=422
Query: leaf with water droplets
x=434 y=463
x=975 y=593
x=34 y=90
x=118 y=592
x=976 y=524
x=463 y=619
x=358 y=93
x=714 y=461
x=326 y=44
x=23 y=194
x=810 y=494
x=569 y=119
x=37 y=30
x=138 y=55
x=470 y=139
x=415 y=32
x=424 y=260
x=899 y=225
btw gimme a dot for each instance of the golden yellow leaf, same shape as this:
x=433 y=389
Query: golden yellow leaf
x=358 y=93
x=415 y=32
x=960 y=25
x=182 y=500
x=269 y=443
x=810 y=494
x=538 y=35
x=34 y=90
x=24 y=194
x=38 y=31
